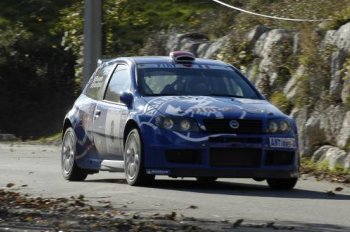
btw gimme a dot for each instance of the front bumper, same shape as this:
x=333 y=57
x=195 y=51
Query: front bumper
x=218 y=155
x=233 y=172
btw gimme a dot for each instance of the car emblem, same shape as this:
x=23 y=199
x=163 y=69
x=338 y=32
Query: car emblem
x=234 y=124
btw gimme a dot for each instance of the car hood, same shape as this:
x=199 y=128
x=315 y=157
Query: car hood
x=212 y=107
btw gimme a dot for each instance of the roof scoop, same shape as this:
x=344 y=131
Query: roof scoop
x=182 y=56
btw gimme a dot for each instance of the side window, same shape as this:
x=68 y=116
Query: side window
x=94 y=87
x=120 y=82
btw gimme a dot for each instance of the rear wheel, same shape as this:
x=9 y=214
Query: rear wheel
x=282 y=184
x=70 y=170
x=133 y=161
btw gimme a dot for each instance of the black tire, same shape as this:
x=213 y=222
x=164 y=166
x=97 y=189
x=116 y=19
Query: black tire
x=134 y=161
x=282 y=184
x=70 y=170
x=206 y=179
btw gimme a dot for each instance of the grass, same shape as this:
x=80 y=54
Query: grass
x=51 y=139
x=322 y=172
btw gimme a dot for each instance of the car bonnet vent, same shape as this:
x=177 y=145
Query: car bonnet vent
x=182 y=56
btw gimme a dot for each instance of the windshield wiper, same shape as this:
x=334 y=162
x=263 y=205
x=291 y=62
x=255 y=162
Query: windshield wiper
x=159 y=94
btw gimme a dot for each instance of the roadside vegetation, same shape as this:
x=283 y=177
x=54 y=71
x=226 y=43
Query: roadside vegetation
x=321 y=171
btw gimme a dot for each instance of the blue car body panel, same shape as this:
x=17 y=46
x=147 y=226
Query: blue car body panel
x=100 y=129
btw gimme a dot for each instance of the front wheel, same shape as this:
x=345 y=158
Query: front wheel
x=70 y=170
x=282 y=184
x=133 y=161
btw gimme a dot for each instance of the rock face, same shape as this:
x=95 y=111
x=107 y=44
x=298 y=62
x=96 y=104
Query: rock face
x=339 y=38
x=331 y=156
x=272 y=49
x=343 y=138
x=196 y=43
x=319 y=96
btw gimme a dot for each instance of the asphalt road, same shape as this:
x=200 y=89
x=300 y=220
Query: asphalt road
x=35 y=169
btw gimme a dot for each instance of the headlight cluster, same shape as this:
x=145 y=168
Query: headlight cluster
x=177 y=123
x=278 y=126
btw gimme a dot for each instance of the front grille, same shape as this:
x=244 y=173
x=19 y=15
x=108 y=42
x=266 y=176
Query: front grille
x=223 y=126
x=183 y=156
x=275 y=158
x=235 y=157
x=234 y=140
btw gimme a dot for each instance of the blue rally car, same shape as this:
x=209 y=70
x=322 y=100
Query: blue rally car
x=179 y=116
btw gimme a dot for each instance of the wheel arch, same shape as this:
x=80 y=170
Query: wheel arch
x=66 y=125
x=131 y=124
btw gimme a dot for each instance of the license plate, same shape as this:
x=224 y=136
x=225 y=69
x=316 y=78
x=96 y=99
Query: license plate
x=282 y=143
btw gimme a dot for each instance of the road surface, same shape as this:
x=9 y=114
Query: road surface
x=35 y=169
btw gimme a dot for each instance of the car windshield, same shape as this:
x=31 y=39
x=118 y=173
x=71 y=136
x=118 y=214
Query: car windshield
x=196 y=80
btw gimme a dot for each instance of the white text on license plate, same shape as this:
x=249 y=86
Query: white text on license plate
x=282 y=142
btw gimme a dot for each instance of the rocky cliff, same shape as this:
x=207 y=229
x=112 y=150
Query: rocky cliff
x=306 y=73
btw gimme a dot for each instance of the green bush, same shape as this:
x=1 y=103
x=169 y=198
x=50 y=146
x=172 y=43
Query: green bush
x=281 y=101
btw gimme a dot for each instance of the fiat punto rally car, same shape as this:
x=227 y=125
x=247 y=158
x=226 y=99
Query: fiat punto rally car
x=179 y=116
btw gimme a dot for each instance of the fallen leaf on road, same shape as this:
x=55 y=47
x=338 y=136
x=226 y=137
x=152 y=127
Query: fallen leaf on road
x=79 y=203
x=29 y=219
x=237 y=223
x=104 y=202
x=271 y=225
x=338 y=189
x=330 y=193
x=61 y=214
x=171 y=216
x=9 y=185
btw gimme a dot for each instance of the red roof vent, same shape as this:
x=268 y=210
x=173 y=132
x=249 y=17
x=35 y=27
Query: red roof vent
x=182 y=56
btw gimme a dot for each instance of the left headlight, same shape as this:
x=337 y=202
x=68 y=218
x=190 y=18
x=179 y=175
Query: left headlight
x=177 y=123
x=278 y=126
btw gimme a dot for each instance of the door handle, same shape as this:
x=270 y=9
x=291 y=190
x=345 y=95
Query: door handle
x=97 y=113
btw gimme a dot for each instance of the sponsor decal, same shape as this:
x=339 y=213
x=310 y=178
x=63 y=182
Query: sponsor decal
x=157 y=172
x=112 y=130
x=171 y=65
x=282 y=143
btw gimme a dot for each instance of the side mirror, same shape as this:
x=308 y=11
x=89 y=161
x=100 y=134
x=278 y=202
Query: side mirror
x=127 y=98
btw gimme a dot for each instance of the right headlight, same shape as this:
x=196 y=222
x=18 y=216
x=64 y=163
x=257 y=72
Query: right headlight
x=177 y=123
x=278 y=126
